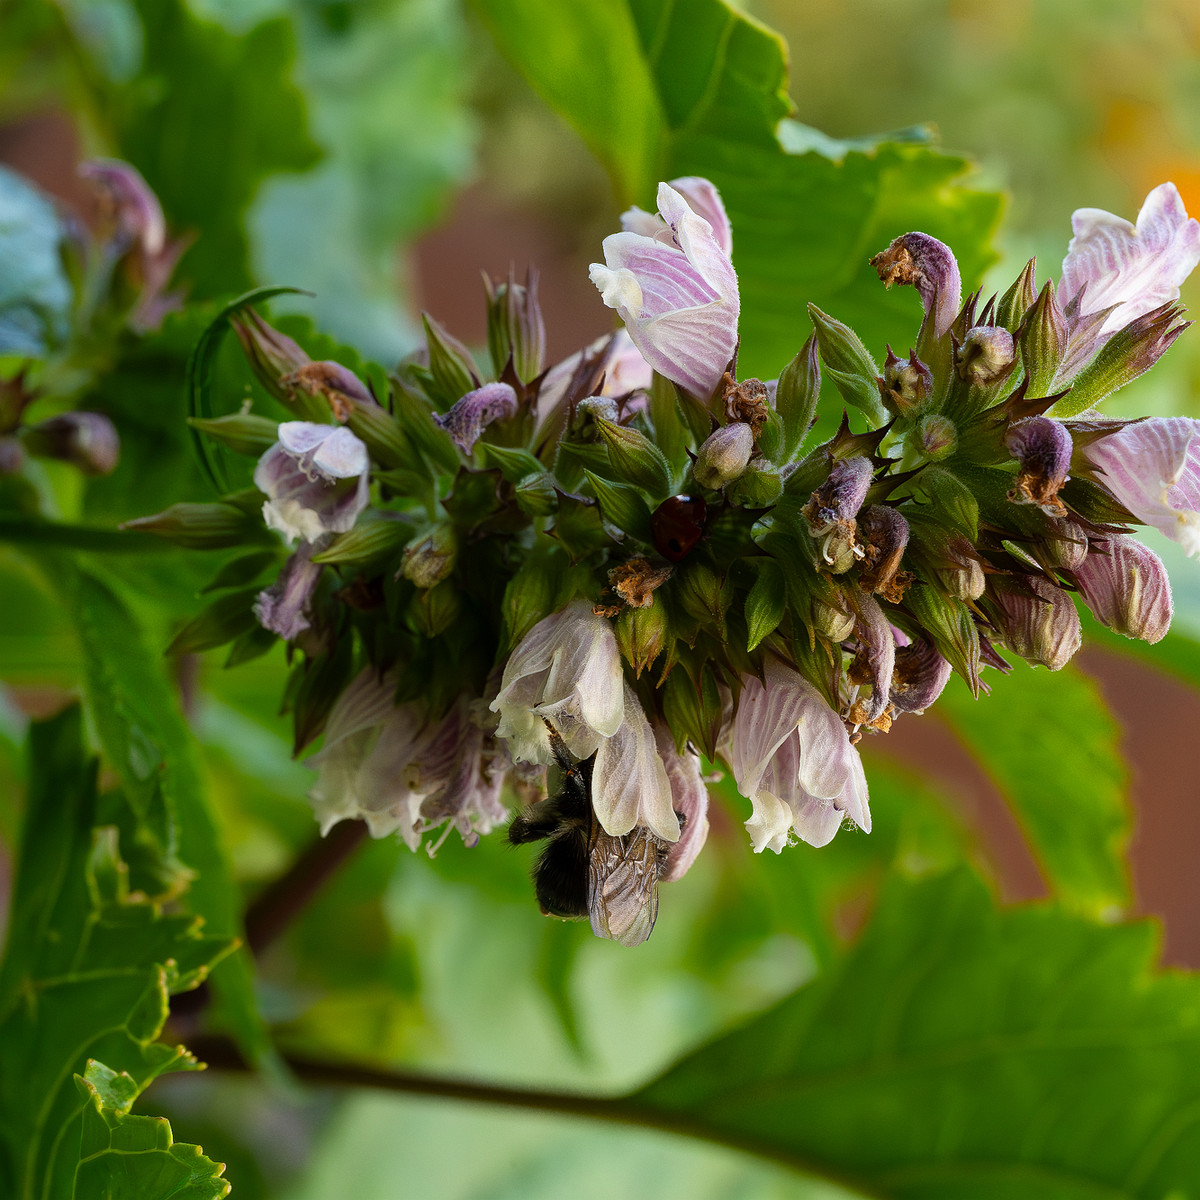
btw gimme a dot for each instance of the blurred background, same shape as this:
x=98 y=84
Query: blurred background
x=412 y=157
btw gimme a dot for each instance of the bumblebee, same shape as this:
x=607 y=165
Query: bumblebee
x=583 y=871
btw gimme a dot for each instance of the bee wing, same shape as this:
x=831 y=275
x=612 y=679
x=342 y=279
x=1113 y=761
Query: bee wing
x=623 y=885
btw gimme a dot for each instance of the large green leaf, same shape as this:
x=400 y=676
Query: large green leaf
x=1051 y=746
x=150 y=747
x=126 y=1157
x=960 y=1052
x=87 y=971
x=705 y=89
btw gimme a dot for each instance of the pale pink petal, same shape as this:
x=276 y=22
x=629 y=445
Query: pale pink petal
x=689 y=798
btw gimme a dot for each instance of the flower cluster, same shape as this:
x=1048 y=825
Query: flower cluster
x=578 y=587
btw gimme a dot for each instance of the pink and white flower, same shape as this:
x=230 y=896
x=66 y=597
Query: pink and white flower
x=400 y=772
x=315 y=479
x=792 y=757
x=1153 y=468
x=671 y=279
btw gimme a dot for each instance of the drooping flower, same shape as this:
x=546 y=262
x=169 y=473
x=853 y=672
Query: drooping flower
x=1043 y=448
x=315 y=479
x=792 y=757
x=920 y=676
x=566 y=670
x=1153 y=468
x=283 y=607
x=1135 y=267
x=671 y=279
x=928 y=265
x=471 y=415
x=400 y=772
x=689 y=796
x=1039 y=621
x=1125 y=585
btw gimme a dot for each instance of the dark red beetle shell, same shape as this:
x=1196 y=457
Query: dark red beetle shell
x=677 y=525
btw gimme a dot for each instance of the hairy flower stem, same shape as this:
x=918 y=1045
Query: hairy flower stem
x=221 y=1054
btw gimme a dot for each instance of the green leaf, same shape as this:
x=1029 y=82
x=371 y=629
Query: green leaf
x=960 y=1052
x=123 y=1157
x=209 y=117
x=710 y=86
x=765 y=602
x=622 y=506
x=87 y=971
x=146 y=739
x=35 y=297
x=201 y=368
x=1051 y=746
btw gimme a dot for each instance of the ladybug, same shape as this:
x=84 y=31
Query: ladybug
x=677 y=525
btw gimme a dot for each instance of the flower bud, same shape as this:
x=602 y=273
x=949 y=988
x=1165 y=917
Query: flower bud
x=87 y=440
x=797 y=391
x=243 y=433
x=642 y=634
x=906 y=384
x=830 y=620
x=515 y=328
x=677 y=524
x=1125 y=585
x=849 y=365
x=451 y=372
x=723 y=455
x=935 y=436
x=199 y=526
x=1127 y=354
x=1018 y=300
x=987 y=355
x=429 y=557
x=703 y=594
x=1043 y=448
x=271 y=354
x=635 y=458
x=1039 y=621
x=588 y=412
x=920 y=675
x=1068 y=546
x=471 y=415
x=1043 y=341
x=962 y=573
x=930 y=267
x=883 y=532
x=831 y=511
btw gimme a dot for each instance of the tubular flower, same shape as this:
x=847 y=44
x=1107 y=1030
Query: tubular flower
x=791 y=756
x=393 y=768
x=566 y=670
x=1153 y=468
x=1125 y=584
x=283 y=607
x=1040 y=622
x=689 y=797
x=671 y=279
x=315 y=480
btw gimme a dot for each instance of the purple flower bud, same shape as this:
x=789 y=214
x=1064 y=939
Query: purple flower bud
x=883 y=532
x=86 y=439
x=471 y=415
x=1152 y=467
x=315 y=479
x=874 y=662
x=676 y=290
x=1039 y=621
x=930 y=266
x=936 y=437
x=987 y=355
x=920 y=675
x=724 y=455
x=133 y=208
x=831 y=511
x=1043 y=448
x=1125 y=585
x=1068 y=545
x=283 y=607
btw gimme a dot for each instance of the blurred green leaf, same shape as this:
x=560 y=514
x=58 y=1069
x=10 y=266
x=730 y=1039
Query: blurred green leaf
x=1051 y=746
x=210 y=115
x=962 y=1052
x=804 y=224
x=123 y=1157
x=148 y=743
x=87 y=970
